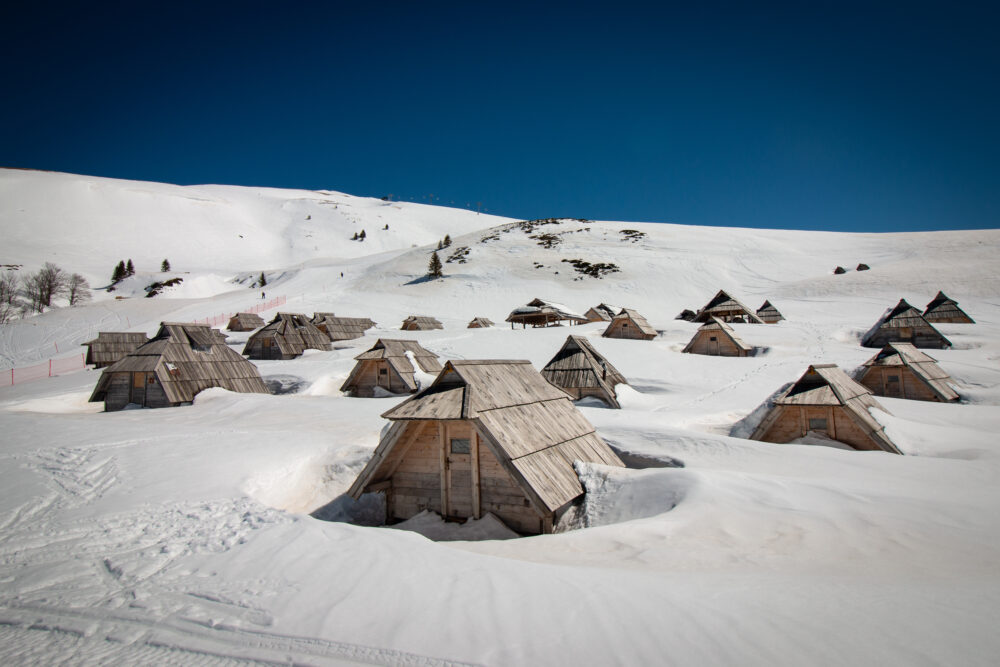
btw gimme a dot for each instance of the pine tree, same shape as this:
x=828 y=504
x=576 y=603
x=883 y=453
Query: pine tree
x=355 y=237
x=165 y=266
x=129 y=268
x=361 y=236
x=262 y=280
x=434 y=267
x=447 y=240
x=119 y=273
x=440 y=245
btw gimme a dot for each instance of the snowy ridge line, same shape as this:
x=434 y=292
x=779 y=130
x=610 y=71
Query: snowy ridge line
x=259 y=308
x=46 y=369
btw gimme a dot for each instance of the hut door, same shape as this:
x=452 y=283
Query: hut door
x=713 y=345
x=382 y=375
x=893 y=385
x=458 y=452
x=138 y=389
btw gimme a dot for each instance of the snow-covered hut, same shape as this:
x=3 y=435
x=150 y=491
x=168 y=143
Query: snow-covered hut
x=580 y=371
x=245 y=322
x=687 y=315
x=287 y=336
x=904 y=324
x=825 y=404
x=769 y=314
x=629 y=324
x=173 y=367
x=110 y=346
x=420 y=323
x=487 y=436
x=943 y=309
x=480 y=323
x=341 y=328
x=389 y=365
x=727 y=309
x=540 y=313
x=716 y=338
x=900 y=370
x=602 y=312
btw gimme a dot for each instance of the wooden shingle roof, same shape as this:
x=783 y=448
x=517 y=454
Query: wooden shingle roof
x=941 y=308
x=902 y=316
x=923 y=366
x=421 y=323
x=635 y=318
x=577 y=364
x=341 y=328
x=717 y=325
x=539 y=310
x=398 y=354
x=293 y=333
x=769 y=314
x=602 y=312
x=245 y=322
x=110 y=346
x=480 y=323
x=726 y=308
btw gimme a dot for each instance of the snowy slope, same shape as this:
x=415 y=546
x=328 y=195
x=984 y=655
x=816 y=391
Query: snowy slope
x=184 y=535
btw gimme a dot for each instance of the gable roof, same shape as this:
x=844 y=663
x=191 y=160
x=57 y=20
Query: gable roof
x=577 y=364
x=110 y=346
x=246 y=321
x=768 y=313
x=943 y=308
x=186 y=359
x=724 y=306
x=633 y=316
x=923 y=366
x=531 y=427
x=293 y=333
x=341 y=328
x=541 y=310
x=903 y=315
x=480 y=322
x=421 y=323
x=715 y=324
x=602 y=312
x=394 y=352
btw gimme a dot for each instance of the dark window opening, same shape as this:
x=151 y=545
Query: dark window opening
x=817 y=424
x=461 y=446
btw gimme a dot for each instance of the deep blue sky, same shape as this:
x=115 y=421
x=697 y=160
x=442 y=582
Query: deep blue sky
x=854 y=117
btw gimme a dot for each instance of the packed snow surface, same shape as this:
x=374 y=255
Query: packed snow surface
x=218 y=532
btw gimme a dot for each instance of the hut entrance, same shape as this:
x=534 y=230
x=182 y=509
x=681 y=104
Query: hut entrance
x=138 y=389
x=893 y=386
x=713 y=345
x=458 y=442
x=382 y=376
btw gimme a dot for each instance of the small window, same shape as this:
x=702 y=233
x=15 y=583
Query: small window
x=383 y=371
x=461 y=446
x=893 y=378
x=151 y=379
x=712 y=338
x=817 y=424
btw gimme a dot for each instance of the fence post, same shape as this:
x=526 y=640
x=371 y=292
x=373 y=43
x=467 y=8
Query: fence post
x=57 y=347
x=50 y=368
x=12 y=377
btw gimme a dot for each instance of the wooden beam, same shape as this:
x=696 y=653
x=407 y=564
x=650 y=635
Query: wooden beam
x=443 y=441
x=474 y=454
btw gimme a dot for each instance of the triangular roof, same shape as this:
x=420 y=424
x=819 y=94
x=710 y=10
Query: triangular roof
x=828 y=385
x=724 y=306
x=717 y=325
x=635 y=318
x=903 y=315
x=110 y=346
x=602 y=312
x=531 y=427
x=187 y=358
x=768 y=313
x=293 y=333
x=341 y=328
x=943 y=308
x=394 y=352
x=421 y=323
x=577 y=364
x=246 y=321
x=924 y=367
x=480 y=322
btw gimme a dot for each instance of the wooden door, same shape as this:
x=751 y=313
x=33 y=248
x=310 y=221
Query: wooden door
x=713 y=345
x=893 y=385
x=382 y=375
x=138 y=395
x=459 y=478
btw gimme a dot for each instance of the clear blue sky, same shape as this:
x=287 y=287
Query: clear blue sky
x=842 y=116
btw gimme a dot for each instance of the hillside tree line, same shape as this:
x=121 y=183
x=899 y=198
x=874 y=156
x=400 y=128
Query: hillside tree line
x=34 y=292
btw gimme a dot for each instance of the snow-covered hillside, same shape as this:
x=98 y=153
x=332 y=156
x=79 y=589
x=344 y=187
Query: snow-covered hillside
x=184 y=535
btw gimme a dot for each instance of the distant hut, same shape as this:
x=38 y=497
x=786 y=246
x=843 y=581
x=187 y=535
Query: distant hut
x=687 y=315
x=602 y=313
x=769 y=314
x=943 y=309
x=717 y=339
x=341 y=328
x=727 y=309
x=827 y=402
x=904 y=324
x=389 y=364
x=580 y=371
x=245 y=322
x=171 y=369
x=488 y=436
x=629 y=324
x=480 y=323
x=420 y=323
x=539 y=313
x=900 y=370
x=839 y=270
x=110 y=346
x=287 y=336
x=862 y=267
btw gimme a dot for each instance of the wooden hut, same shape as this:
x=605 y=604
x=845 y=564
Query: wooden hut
x=486 y=436
x=900 y=370
x=341 y=328
x=768 y=314
x=287 y=336
x=172 y=368
x=602 y=313
x=480 y=323
x=539 y=313
x=420 y=323
x=904 y=324
x=629 y=324
x=245 y=322
x=580 y=371
x=389 y=365
x=727 y=309
x=110 y=346
x=943 y=309
x=687 y=315
x=828 y=402
x=716 y=338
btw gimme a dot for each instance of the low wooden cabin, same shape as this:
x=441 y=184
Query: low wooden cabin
x=581 y=371
x=602 y=313
x=900 y=370
x=687 y=315
x=768 y=314
x=110 y=346
x=245 y=322
x=716 y=338
x=488 y=436
x=539 y=313
x=341 y=328
x=287 y=336
x=480 y=323
x=173 y=367
x=943 y=309
x=420 y=323
x=629 y=324
x=389 y=364
x=828 y=402
x=727 y=309
x=904 y=324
